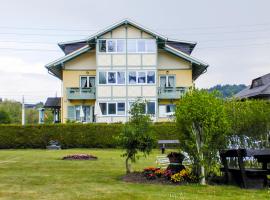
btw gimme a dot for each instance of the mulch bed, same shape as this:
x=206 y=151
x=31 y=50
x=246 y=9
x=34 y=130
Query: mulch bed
x=80 y=157
x=138 y=177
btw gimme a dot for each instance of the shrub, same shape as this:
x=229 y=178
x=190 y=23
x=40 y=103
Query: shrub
x=71 y=135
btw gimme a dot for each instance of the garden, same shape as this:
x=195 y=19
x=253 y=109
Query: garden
x=205 y=125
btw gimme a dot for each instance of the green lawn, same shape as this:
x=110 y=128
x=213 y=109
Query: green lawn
x=41 y=174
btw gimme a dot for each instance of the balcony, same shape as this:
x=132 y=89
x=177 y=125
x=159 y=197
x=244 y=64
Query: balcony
x=81 y=93
x=171 y=92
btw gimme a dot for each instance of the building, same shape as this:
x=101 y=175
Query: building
x=103 y=74
x=259 y=89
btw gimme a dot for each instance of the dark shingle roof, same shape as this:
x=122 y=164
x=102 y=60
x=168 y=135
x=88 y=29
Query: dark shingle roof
x=259 y=87
x=53 y=102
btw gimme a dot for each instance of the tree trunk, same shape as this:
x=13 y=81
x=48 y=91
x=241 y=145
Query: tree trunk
x=197 y=131
x=128 y=167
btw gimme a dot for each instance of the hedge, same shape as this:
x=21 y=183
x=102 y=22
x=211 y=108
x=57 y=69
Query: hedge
x=71 y=135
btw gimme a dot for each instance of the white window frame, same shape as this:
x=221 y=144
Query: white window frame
x=167 y=80
x=116 y=114
x=137 y=77
x=87 y=81
x=146 y=107
x=116 y=77
x=116 y=44
x=165 y=116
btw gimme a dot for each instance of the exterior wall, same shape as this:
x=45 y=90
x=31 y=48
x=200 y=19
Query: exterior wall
x=71 y=78
x=86 y=61
x=91 y=63
x=183 y=77
x=125 y=62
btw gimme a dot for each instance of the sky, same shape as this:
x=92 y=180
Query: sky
x=232 y=37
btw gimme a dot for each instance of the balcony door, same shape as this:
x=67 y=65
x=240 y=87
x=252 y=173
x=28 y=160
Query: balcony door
x=167 y=81
x=87 y=81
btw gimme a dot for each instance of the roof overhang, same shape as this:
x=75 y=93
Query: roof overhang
x=55 y=67
x=198 y=67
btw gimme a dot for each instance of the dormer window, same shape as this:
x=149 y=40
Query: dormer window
x=256 y=83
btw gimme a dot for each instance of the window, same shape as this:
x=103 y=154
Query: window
x=77 y=113
x=111 y=77
x=87 y=82
x=150 y=107
x=121 y=78
x=121 y=46
x=121 y=108
x=84 y=82
x=151 y=77
x=111 y=108
x=141 y=46
x=141 y=77
x=170 y=108
x=103 y=108
x=83 y=113
x=166 y=110
x=132 y=46
x=150 y=46
x=167 y=81
x=111 y=44
x=132 y=78
x=102 y=45
x=102 y=78
x=151 y=110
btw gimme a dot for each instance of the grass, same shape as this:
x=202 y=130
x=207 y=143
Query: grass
x=42 y=175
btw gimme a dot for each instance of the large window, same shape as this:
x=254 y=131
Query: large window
x=133 y=46
x=150 y=107
x=83 y=113
x=141 y=77
x=113 y=108
x=112 y=77
x=141 y=46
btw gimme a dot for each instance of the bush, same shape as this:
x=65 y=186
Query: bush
x=71 y=135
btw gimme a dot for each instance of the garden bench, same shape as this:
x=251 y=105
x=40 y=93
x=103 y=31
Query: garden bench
x=163 y=144
x=162 y=161
x=242 y=176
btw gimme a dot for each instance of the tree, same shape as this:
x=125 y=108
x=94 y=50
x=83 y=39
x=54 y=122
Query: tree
x=203 y=125
x=227 y=90
x=4 y=117
x=137 y=135
x=249 y=123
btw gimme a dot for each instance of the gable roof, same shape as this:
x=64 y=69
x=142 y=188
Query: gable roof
x=262 y=90
x=179 y=48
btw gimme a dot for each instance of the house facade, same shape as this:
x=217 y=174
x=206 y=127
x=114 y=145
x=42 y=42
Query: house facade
x=105 y=73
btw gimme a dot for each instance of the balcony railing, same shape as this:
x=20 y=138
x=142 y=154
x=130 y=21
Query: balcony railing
x=171 y=92
x=81 y=93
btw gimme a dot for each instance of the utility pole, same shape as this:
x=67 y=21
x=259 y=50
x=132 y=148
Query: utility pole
x=23 y=112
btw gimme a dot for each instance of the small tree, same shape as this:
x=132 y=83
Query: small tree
x=137 y=135
x=202 y=122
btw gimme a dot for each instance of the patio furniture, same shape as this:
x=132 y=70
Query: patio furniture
x=242 y=176
x=163 y=144
x=54 y=145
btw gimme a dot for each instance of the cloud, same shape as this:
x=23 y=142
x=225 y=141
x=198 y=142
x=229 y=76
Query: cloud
x=18 y=65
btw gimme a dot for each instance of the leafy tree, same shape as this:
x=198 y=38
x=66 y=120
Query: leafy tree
x=227 y=90
x=249 y=123
x=4 y=117
x=137 y=135
x=203 y=125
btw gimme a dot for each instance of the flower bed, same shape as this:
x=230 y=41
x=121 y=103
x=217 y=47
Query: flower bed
x=80 y=157
x=162 y=176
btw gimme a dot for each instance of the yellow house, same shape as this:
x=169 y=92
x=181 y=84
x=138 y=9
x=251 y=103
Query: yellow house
x=102 y=75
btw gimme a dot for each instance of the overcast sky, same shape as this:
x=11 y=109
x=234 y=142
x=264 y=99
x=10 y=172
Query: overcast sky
x=232 y=35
